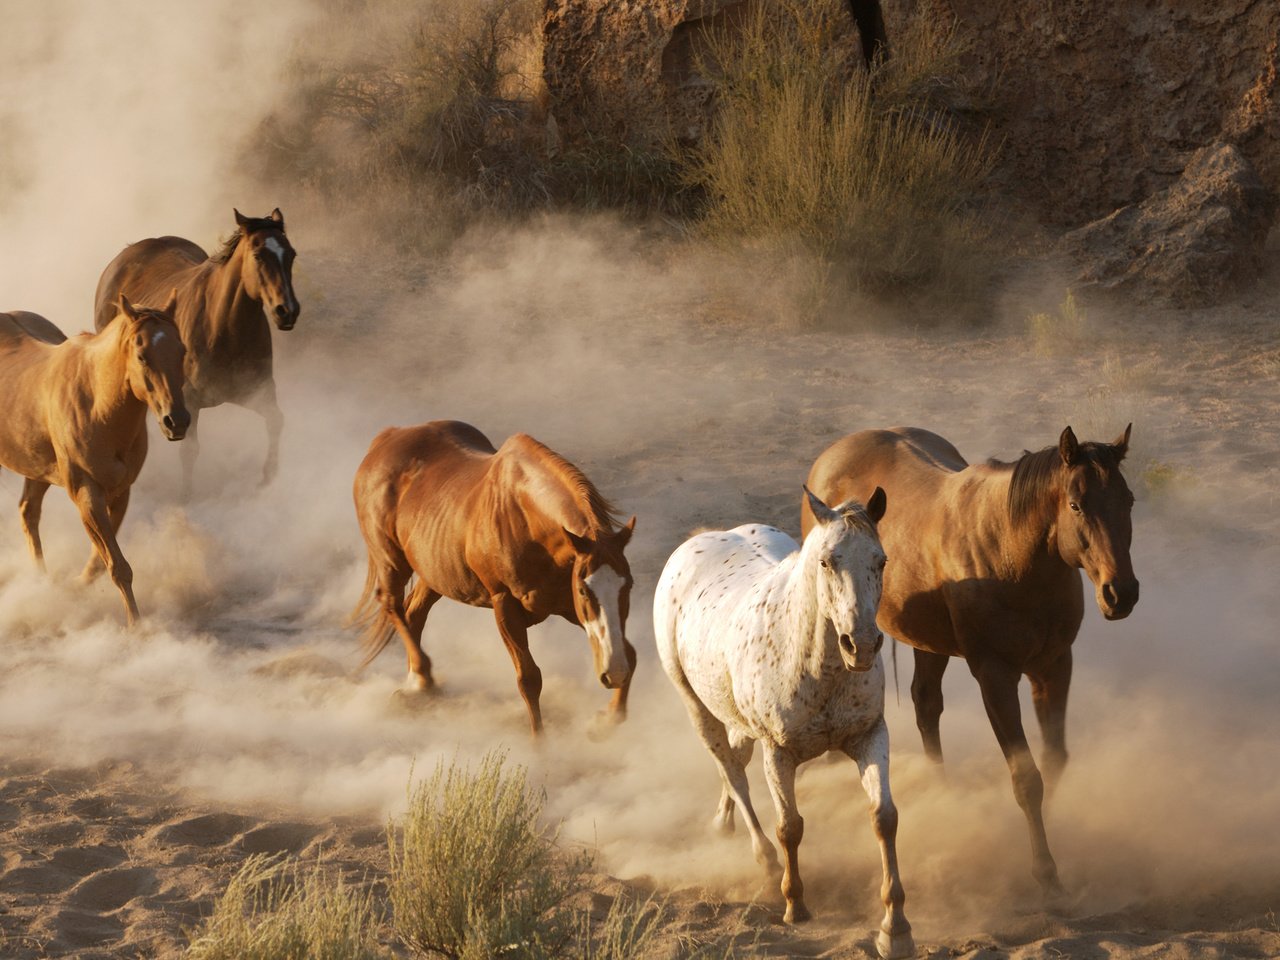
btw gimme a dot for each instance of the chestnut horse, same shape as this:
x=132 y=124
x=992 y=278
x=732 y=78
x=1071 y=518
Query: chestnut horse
x=75 y=415
x=519 y=529
x=983 y=566
x=223 y=305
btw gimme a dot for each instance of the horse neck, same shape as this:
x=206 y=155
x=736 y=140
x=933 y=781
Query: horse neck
x=805 y=645
x=113 y=399
x=550 y=504
x=1028 y=546
x=227 y=302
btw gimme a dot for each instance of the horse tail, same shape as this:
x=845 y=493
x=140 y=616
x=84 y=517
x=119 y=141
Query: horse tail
x=369 y=614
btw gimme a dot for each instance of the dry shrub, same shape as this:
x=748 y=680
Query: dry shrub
x=474 y=874
x=860 y=171
x=274 y=910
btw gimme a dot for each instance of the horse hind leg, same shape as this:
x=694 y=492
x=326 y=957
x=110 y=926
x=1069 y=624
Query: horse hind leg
x=926 y=695
x=421 y=599
x=741 y=746
x=29 y=507
x=871 y=754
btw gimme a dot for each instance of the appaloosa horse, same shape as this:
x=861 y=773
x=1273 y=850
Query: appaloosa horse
x=984 y=566
x=75 y=416
x=518 y=529
x=766 y=642
x=223 y=305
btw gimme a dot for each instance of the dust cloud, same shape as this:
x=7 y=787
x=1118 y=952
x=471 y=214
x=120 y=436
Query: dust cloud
x=658 y=373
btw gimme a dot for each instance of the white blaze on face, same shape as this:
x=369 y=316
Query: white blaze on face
x=157 y=337
x=274 y=245
x=606 y=586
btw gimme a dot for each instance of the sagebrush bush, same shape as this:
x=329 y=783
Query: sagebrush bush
x=276 y=909
x=474 y=874
x=858 y=169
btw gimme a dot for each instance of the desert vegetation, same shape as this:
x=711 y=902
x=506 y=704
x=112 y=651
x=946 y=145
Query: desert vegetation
x=868 y=179
x=473 y=873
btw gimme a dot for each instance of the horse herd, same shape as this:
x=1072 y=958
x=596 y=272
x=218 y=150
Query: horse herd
x=765 y=639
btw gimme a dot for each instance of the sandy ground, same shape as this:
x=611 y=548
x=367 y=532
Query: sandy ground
x=139 y=769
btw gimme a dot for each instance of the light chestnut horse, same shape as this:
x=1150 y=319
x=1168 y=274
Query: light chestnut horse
x=518 y=529
x=985 y=566
x=75 y=416
x=224 y=302
x=766 y=639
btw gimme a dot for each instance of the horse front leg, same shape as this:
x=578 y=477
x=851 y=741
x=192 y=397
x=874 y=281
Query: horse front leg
x=264 y=404
x=513 y=626
x=616 y=712
x=116 y=508
x=29 y=507
x=94 y=514
x=780 y=774
x=999 y=684
x=1049 y=688
x=871 y=754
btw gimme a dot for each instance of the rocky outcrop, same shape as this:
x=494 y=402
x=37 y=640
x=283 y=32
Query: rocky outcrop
x=1097 y=104
x=1189 y=244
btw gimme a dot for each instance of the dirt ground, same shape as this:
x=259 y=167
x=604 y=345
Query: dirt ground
x=140 y=768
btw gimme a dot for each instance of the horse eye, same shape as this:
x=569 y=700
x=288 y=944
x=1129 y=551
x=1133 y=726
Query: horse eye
x=823 y=564
x=1074 y=506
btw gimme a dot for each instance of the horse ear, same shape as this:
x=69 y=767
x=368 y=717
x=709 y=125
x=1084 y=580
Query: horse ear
x=580 y=544
x=1068 y=447
x=1121 y=444
x=278 y=217
x=623 y=536
x=241 y=219
x=127 y=308
x=821 y=512
x=172 y=305
x=876 y=505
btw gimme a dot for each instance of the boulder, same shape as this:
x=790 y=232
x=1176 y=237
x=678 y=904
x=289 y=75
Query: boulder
x=1189 y=244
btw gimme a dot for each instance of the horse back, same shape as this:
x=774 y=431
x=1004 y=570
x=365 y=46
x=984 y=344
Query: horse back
x=146 y=272
x=19 y=323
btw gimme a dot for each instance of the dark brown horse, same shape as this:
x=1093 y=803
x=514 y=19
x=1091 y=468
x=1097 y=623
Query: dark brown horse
x=983 y=565
x=74 y=415
x=223 y=305
x=519 y=529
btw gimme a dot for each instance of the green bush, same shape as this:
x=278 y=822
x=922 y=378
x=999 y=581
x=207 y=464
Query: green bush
x=274 y=910
x=859 y=170
x=474 y=874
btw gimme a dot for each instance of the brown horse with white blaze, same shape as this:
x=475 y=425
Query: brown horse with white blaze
x=984 y=563
x=224 y=302
x=75 y=417
x=518 y=529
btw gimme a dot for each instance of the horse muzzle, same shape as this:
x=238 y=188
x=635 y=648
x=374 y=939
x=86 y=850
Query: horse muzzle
x=285 y=317
x=175 y=424
x=615 y=679
x=1117 y=598
x=860 y=657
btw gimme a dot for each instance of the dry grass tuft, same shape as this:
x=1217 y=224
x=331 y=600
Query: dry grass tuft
x=274 y=910
x=862 y=172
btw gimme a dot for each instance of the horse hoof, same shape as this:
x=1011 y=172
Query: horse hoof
x=796 y=913
x=412 y=701
x=895 y=946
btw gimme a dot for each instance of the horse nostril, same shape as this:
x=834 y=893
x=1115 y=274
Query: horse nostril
x=604 y=680
x=846 y=644
x=281 y=312
x=1109 y=594
x=168 y=422
x=879 y=641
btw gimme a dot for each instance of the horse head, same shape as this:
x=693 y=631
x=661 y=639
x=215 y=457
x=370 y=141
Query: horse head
x=848 y=565
x=154 y=355
x=601 y=587
x=267 y=272
x=1094 y=522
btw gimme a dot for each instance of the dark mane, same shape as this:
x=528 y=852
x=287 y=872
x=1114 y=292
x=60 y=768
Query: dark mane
x=230 y=243
x=590 y=500
x=1034 y=477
